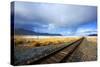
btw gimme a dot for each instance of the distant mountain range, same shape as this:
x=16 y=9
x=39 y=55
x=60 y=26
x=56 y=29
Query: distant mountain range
x=28 y=32
x=92 y=35
x=20 y=31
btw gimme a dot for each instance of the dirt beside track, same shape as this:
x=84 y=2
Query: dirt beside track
x=87 y=51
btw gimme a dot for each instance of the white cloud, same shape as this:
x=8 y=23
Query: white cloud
x=51 y=27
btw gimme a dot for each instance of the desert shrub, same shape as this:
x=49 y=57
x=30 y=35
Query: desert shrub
x=37 y=44
x=19 y=42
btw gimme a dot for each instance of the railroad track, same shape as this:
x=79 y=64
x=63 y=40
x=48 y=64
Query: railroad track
x=59 y=55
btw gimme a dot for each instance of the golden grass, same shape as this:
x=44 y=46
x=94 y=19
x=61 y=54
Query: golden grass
x=35 y=42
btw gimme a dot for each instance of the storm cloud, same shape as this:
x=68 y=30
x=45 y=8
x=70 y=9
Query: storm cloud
x=55 y=18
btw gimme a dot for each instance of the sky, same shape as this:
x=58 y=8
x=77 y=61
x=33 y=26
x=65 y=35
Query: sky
x=64 y=19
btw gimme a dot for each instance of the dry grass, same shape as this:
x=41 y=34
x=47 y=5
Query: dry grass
x=92 y=39
x=35 y=42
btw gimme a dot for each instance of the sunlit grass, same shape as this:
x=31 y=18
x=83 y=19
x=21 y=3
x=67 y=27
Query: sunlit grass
x=36 y=42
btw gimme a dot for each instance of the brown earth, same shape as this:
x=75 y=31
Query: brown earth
x=87 y=51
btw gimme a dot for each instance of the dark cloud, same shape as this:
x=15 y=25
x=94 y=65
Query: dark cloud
x=59 y=18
